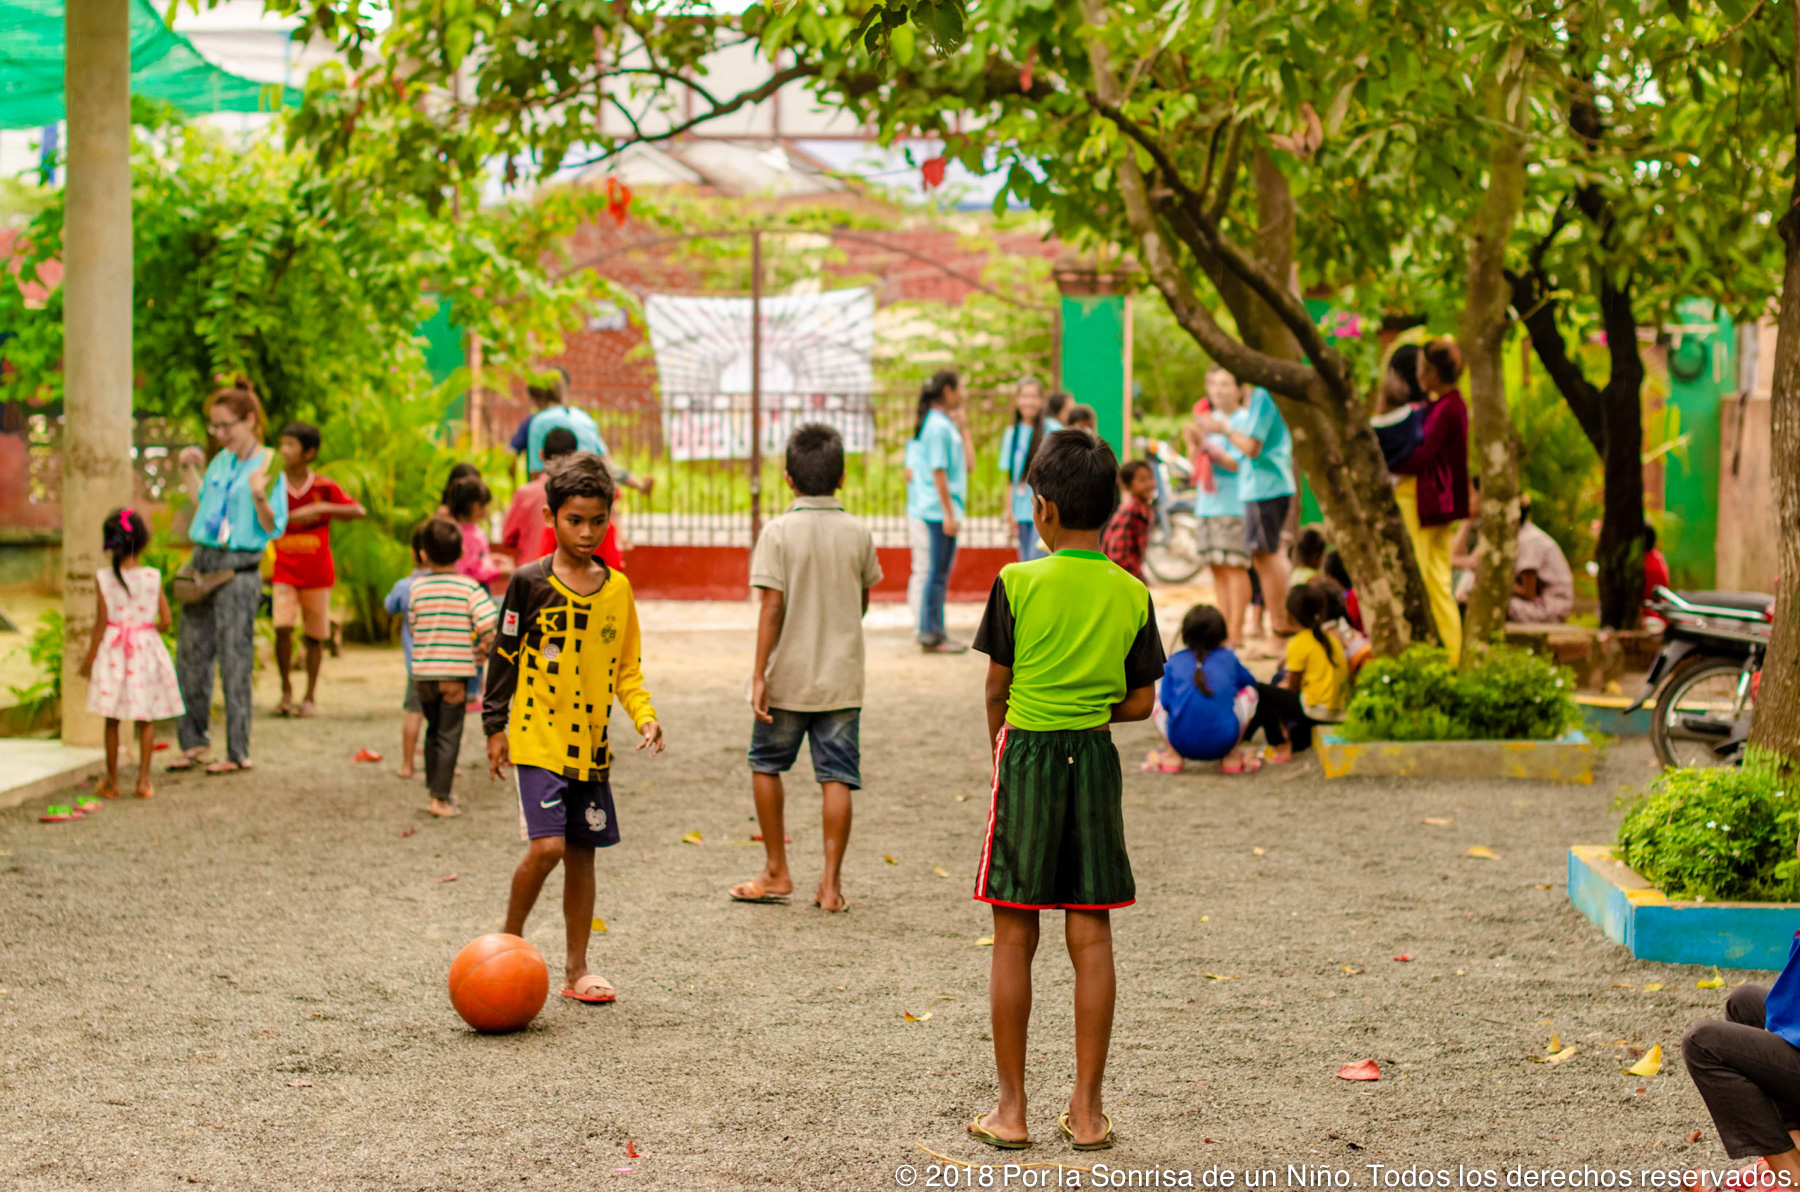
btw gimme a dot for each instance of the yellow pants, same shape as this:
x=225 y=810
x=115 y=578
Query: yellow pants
x=1431 y=547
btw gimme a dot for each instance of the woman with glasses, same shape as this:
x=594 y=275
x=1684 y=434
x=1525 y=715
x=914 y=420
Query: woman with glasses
x=240 y=506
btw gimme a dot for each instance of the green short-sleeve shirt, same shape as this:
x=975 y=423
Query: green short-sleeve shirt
x=1078 y=632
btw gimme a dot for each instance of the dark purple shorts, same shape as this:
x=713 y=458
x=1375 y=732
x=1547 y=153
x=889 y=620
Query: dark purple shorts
x=580 y=812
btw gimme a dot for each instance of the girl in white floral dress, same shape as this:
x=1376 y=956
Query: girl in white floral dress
x=129 y=673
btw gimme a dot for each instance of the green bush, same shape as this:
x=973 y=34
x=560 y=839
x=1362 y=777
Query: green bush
x=45 y=650
x=1724 y=834
x=1510 y=695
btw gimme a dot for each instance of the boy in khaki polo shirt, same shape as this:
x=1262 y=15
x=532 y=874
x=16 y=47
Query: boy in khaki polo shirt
x=815 y=565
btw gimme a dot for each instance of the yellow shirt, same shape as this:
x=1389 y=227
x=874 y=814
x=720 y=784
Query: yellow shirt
x=1324 y=672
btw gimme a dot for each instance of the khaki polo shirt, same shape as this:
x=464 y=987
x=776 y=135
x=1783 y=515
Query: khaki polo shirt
x=822 y=560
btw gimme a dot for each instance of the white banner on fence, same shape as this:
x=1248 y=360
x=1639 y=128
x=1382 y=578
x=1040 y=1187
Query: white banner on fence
x=815 y=368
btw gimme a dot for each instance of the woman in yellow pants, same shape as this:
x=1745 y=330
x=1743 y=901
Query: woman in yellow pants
x=1433 y=490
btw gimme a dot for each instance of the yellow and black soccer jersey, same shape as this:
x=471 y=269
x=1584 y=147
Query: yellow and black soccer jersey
x=560 y=661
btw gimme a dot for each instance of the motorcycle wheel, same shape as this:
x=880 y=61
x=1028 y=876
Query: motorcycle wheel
x=1696 y=712
x=1174 y=557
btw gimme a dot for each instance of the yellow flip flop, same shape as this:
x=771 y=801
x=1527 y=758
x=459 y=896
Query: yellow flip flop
x=1105 y=1144
x=981 y=1134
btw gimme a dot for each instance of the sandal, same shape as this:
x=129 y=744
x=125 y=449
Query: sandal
x=981 y=1133
x=1269 y=757
x=191 y=759
x=752 y=891
x=593 y=989
x=1104 y=1144
x=57 y=813
x=1158 y=763
x=1241 y=764
x=229 y=767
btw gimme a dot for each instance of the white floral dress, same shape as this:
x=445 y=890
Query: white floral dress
x=133 y=677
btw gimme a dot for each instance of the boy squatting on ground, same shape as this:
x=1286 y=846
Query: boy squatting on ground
x=452 y=621
x=814 y=565
x=304 y=568
x=568 y=645
x=1072 y=647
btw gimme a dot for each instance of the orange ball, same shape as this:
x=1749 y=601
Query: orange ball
x=498 y=983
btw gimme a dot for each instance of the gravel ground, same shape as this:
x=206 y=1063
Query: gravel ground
x=241 y=984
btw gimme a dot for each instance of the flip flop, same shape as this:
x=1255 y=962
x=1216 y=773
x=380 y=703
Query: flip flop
x=981 y=1134
x=1245 y=765
x=199 y=759
x=57 y=813
x=218 y=769
x=761 y=896
x=1269 y=759
x=1104 y=1144
x=88 y=805
x=1156 y=763
x=592 y=989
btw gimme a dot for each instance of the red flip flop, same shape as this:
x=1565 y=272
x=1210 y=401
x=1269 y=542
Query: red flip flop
x=593 y=990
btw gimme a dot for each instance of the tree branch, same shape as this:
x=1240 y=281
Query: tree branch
x=774 y=83
x=1538 y=311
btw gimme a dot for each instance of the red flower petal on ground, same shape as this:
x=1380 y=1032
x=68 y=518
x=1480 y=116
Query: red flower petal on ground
x=933 y=172
x=1403 y=958
x=1361 y=1070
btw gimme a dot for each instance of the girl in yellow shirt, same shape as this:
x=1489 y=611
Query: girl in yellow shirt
x=1316 y=686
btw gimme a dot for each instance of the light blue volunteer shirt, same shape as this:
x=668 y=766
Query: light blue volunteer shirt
x=580 y=422
x=1224 y=500
x=225 y=515
x=1271 y=473
x=940 y=446
x=1015 y=448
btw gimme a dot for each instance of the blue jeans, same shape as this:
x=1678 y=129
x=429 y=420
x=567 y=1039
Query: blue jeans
x=937 y=585
x=1028 y=542
x=836 y=744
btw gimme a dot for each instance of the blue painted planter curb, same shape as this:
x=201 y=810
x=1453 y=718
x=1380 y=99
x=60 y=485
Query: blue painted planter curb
x=1747 y=935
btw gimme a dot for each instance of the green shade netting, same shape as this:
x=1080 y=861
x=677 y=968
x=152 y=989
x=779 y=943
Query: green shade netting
x=164 y=65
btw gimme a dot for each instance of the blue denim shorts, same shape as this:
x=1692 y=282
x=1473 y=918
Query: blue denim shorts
x=836 y=752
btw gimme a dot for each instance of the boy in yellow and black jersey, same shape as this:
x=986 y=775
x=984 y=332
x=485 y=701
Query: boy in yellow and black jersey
x=568 y=646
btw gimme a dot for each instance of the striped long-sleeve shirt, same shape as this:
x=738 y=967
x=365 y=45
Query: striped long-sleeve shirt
x=452 y=619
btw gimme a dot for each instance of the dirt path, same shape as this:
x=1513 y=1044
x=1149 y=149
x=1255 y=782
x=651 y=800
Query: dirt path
x=240 y=984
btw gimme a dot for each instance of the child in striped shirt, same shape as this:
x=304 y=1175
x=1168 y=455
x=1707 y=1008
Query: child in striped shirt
x=452 y=620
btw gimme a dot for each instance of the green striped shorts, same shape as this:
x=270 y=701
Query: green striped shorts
x=1055 y=830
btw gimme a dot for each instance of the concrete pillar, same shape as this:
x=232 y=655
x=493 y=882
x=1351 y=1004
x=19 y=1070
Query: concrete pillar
x=96 y=443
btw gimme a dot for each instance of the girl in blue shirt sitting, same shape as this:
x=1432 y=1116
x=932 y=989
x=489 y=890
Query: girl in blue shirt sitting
x=1205 y=700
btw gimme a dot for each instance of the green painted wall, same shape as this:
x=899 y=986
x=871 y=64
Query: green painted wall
x=1093 y=360
x=1702 y=373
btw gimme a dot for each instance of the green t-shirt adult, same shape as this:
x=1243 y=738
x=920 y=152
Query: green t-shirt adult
x=1078 y=632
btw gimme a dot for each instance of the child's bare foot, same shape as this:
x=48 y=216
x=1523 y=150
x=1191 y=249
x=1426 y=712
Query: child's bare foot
x=1277 y=755
x=830 y=898
x=108 y=788
x=145 y=788
x=286 y=706
x=306 y=709
x=406 y=770
x=764 y=887
x=443 y=809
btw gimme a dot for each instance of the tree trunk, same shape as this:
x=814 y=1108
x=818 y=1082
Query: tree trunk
x=96 y=442
x=1775 y=732
x=1483 y=335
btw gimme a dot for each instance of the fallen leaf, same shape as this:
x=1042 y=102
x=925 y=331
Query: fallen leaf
x=943 y=997
x=4 y=992
x=1714 y=982
x=1653 y=987
x=940 y=871
x=1206 y=918
x=1482 y=851
x=693 y=837
x=408 y=832
x=621 y=1171
x=986 y=941
x=1361 y=1070
x=598 y=924
x=1214 y=1141
x=1403 y=958
x=1639 y=1092
x=1460 y=973
x=1217 y=977
x=366 y=755
x=1348 y=969
x=962 y=798
x=889 y=858
x=1443 y=821
x=1693 y=1137
x=1544 y=885
x=1558 y=1057
x=1622 y=985
x=299 y=1084
x=631 y=1151
x=1650 y=1065
x=925 y=1017
x=5 y=852
x=1257 y=852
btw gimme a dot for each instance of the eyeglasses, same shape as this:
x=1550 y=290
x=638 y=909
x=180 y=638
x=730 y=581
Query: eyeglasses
x=219 y=428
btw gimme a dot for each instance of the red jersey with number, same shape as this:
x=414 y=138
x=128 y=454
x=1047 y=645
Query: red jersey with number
x=303 y=556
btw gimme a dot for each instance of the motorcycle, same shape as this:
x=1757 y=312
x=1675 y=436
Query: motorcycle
x=1173 y=552
x=1704 y=679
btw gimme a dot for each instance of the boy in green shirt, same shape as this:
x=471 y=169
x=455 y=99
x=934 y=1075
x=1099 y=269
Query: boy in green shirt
x=1072 y=648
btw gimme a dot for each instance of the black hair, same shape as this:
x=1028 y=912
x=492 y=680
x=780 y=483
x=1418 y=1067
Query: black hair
x=1079 y=413
x=1334 y=567
x=1307 y=605
x=1129 y=469
x=465 y=495
x=442 y=541
x=931 y=395
x=1336 y=608
x=124 y=533
x=1404 y=363
x=1203 y=631
x=303 y=433
x=815 y=459
x=1057 y=402
x=578 y=475
x=559 y=442
x=458 y=472
x=1445 y=358
x=553 y=393
x=1309 y=548
x=1649 y=537
x=1037 y=424
x=1077 y=473
x=418 y=539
